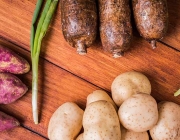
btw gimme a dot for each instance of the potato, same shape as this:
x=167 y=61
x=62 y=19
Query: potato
x=100 y=95
x=66 y=122
x=139 y=112
x=127 y=84
x=168 y=125
x=131 y=135
x=11 y=88
x=100 y=122
x=7 y=122
x=80 y=137
x=12 y=62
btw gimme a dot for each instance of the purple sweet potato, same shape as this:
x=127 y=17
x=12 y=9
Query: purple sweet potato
x=11 y=88
x=12 y=62
x=7 y=122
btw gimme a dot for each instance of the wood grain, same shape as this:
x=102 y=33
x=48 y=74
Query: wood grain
x=173 y=35
x=56 y=86
x=67 y=76
x=20 y=133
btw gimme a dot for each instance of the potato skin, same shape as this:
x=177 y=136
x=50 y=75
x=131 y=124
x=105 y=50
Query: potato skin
x=100 y=122
x=11 y=88
x=139 y=112
x=115 y=26
x=99 y=95
x=7 y=122
x=151 y=17
x=127 y=84
x=79 y=23
x=66 y=122
x=130 y=135
x=12 y=62
x=80 y=137
x=168 y=125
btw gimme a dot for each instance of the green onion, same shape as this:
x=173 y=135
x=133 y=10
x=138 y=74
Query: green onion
x=177 y=93
x=36 y=41
x=35 y=16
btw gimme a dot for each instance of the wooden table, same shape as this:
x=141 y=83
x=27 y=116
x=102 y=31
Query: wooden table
x=67 y=76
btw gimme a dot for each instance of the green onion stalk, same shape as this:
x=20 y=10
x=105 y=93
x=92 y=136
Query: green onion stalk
x=177 y=93
x=37 y=35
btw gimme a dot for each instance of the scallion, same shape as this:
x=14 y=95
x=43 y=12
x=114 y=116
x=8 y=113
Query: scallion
x=37 y=35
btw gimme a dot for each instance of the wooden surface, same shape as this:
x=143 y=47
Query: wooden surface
x=66 y=76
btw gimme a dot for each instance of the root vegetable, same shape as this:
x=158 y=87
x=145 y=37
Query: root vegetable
x=115 y=26
x=100 y=122
x=127 y=84
x=151 y=17
x=7 y=122
x=66 y=122
x=11 y=88
x=12 y=62
x=168 y=125
x=80 y=137
x=139 y=112
x=79 y=23
x=99 y=95
x=131 y=135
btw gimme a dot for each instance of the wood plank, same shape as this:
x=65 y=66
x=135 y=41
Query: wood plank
x=56 y=86
x=160 y=65
x=19 y=133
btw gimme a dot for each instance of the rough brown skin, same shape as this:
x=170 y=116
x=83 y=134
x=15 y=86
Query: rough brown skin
x=79 y=23
x=115 y=25
x=151 y=18
x=7 y=122
x=12 y=62
x=11 y=88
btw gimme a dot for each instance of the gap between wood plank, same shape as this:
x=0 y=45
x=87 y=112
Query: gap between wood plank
x=33 y=131
x=52 y=63
x=169 y=46
x=18 y=45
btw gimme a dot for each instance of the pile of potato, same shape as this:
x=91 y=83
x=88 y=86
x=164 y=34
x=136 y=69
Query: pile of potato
x=129 y=115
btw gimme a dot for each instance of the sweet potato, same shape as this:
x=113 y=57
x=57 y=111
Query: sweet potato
x=7 y=122
x=12 y=62
x=79 y=23
x=11 y=88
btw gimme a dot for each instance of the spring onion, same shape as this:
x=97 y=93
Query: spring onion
x=37 y=35
x=177 y=93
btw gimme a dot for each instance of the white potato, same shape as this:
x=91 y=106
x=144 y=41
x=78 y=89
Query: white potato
x=66 y=122
x=127 y=84
x=168 y=125
x=139 y=112
x=99 y=95
x=131 y=135
x=100 y=122
x=80 y=137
